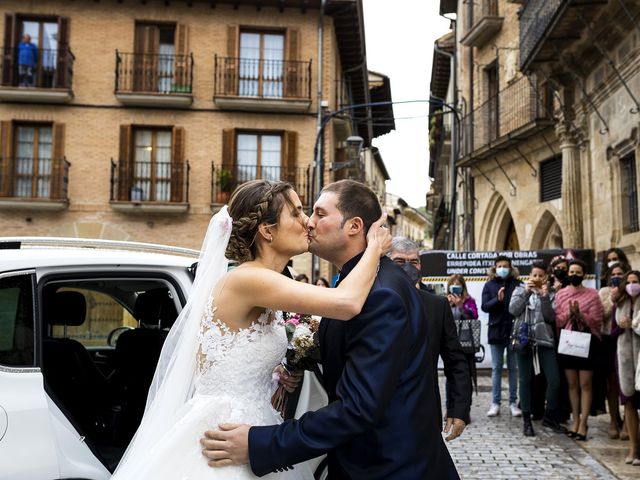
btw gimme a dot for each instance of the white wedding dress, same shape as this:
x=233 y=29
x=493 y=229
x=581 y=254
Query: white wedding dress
x=233 y=384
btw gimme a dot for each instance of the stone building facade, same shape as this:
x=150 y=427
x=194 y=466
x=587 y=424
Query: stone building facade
x=134 y=120
x=548 y=96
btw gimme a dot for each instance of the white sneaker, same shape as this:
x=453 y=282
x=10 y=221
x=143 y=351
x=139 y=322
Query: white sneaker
x=515 y=411
x=494 y=411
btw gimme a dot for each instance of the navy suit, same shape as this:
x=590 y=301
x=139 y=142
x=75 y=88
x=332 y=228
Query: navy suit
x=382 y=419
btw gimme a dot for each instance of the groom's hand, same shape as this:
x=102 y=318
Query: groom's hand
x=228 y=446
x=454 y=427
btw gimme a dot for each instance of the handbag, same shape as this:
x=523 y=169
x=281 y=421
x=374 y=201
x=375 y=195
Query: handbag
x=520 y=339
x=574 y=344
x=469 y=334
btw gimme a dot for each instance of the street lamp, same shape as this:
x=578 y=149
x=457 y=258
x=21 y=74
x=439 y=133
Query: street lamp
x=352 y=150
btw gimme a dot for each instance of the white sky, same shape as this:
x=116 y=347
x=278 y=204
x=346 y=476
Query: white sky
x=400 y=36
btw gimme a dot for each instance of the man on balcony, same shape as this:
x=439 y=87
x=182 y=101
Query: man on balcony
x=27 y=61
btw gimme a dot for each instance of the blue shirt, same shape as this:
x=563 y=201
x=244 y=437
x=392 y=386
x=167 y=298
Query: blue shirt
x=27 y=54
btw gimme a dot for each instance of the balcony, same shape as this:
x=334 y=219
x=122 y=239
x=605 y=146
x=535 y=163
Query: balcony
x=156 y=187
x=154 y=80
x=34 y=183
x=262 y=85
x=483 y=22
x=549 y=26
x=48 y=81
x=514 y=114
x=225 y=179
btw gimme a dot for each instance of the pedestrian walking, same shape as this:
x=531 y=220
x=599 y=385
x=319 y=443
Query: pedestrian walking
x=496 y=295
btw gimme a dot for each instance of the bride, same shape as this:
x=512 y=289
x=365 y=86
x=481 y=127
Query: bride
x=217 y=362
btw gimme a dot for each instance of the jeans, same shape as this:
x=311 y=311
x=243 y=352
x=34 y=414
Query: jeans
x=497 y=358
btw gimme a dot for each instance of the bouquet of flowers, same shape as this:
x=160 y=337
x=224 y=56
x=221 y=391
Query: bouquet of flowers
x=303 y=350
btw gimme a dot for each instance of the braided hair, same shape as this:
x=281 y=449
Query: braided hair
x=252 y=204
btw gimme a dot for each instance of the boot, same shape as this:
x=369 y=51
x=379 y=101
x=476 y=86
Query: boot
x=550 y=420
x=528 y=427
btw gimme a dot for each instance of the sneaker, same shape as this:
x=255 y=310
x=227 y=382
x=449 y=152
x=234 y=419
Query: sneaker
x=494 y=411
x=515 y=411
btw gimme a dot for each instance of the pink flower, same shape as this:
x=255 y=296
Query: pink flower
x=294 y=321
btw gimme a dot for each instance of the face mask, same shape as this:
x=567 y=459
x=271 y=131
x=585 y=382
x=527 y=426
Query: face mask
x=633 y=289
x=612 y=263
x=502 y=272
x=575 y=280
x=560 y=274
x=615 y=281
x=413 y=272
x=455 y=289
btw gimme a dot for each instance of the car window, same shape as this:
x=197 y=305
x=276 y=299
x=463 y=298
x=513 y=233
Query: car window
x=103 y=315
x=16 y=321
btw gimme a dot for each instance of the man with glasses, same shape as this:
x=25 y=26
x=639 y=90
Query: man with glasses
x=443 y=339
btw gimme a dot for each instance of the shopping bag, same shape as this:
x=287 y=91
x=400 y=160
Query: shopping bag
x=575 y=344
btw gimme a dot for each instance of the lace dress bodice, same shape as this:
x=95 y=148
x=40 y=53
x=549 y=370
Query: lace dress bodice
x=239 y=364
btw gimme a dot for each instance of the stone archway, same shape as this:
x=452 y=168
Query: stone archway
x=499 y=231
x=547 y=233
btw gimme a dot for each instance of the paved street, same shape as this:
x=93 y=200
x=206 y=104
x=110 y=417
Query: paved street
x=494 y=448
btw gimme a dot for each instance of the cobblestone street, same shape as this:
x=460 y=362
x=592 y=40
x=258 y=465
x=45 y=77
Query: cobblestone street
x=494 y=448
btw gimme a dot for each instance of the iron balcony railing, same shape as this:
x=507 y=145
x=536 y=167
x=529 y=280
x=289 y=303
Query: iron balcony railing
x=225 y=179
x=34 y=178
x=49 y=69
x=260 y=78
x=537 y=17
x=154 y=73
x=514 y=108
x=150 y=182
x=480 y=9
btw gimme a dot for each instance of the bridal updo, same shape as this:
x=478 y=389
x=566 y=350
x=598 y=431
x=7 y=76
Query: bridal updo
x=251 y=204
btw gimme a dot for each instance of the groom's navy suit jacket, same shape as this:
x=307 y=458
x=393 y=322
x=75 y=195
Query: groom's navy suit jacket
x=382 y=420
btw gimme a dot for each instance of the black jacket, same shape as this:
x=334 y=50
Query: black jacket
x=443 y=341
x=382 y=419
x=500 y=319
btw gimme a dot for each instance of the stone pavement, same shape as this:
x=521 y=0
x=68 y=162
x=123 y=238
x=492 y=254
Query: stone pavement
x=494 y=448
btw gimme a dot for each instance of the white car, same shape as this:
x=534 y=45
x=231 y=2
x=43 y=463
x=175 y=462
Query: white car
x=82 y=323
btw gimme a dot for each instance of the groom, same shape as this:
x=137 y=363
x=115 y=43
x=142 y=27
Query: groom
x=382 y=419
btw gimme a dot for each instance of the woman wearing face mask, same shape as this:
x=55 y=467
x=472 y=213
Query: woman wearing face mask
x=628 y=320
x=609 y=295
x=579 y=307
x=463 y=307
x=558 y=268
x=496 y=295
x=532 y=303
x=609 y=259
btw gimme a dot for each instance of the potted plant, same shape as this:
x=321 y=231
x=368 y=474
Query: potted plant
x=224 y=180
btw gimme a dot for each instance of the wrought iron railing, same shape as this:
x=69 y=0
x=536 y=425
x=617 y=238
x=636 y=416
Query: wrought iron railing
x=517 y=106
x=34 y=178
x=150 y=182
x=46 y=68
x=154 y=73
x=479 y=10
x=536 y=19
x=260 y=78
x=225 y=179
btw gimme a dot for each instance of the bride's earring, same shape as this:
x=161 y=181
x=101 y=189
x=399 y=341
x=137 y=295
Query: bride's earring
x=271 y=239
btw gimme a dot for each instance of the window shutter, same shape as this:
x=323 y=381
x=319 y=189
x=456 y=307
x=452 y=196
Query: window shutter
x=178 y=165
x=125 y=161
x=292 y=67
x=146 y=46
x=231 y=63
x=62 y=70
x=6 y=157
x=551 y=179
x=290 y=156
x=57 y=187
x=9 y=75
x=228 y=148
x=181 y=75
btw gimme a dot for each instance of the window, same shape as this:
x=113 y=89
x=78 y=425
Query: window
x=259 y=156
x=151 y=166
x=16 y=320
x=551 y=179
x=629 y=192
x=154 y=57
x=33 y=161
x=261 y=64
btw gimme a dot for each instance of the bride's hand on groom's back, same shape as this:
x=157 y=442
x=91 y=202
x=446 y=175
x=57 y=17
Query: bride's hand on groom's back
x=379 y=235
